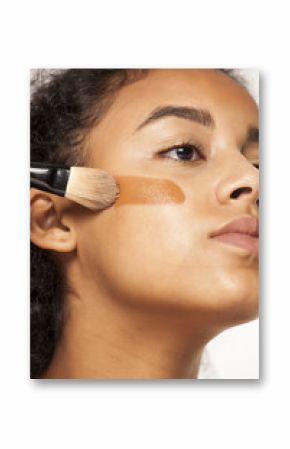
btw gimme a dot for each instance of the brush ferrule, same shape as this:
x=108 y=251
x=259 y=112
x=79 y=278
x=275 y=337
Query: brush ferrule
x=49 y=178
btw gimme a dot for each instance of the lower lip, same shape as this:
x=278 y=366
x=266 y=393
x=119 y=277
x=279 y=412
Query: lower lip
x=245 y=241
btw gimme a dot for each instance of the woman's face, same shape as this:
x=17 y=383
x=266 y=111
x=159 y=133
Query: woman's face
x=152 y=247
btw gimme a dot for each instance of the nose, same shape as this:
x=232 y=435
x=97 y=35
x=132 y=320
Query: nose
x=240 y=185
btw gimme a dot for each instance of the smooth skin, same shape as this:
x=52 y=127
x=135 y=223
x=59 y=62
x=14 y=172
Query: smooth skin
x=148 y=288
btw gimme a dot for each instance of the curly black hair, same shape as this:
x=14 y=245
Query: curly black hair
x=65 y=105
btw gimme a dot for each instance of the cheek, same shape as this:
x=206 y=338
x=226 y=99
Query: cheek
x=146 y=229
x=146 y=190
x=136 y=249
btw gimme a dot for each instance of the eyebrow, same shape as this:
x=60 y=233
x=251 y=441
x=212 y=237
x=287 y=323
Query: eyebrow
x=200 y=116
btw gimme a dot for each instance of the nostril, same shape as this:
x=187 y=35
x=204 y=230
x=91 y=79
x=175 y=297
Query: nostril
x=257 y=202
x=239 y=191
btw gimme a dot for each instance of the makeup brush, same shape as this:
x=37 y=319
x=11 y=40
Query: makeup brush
x=93 y=188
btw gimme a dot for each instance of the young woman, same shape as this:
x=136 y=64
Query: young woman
x=137 y=290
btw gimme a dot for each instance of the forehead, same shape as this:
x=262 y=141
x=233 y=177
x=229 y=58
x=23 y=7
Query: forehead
x=208 y=89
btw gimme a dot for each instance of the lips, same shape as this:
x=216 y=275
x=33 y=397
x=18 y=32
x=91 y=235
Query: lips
x=242 y=232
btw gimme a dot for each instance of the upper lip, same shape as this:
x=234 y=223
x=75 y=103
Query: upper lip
x=241 y=225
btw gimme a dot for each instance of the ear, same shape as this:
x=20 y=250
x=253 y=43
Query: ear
x=50 y=227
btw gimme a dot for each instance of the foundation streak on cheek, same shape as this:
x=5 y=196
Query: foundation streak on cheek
x=143 y=190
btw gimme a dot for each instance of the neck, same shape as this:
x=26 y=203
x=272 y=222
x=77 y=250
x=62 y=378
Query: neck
x=103 y=339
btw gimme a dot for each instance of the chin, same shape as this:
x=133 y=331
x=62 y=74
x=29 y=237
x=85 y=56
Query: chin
x=237 y=307
x=236 y=296
x=228 y=302
x=242 y=311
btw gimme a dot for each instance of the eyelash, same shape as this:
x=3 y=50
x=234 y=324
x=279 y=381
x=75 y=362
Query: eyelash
x=190 y=146
x=197 y=148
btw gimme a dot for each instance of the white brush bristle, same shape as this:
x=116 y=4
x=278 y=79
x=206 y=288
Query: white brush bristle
x=93 y=188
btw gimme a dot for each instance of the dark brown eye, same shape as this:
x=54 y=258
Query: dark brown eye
x=183 y=153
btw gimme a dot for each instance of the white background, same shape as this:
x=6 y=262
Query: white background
x=165 y=414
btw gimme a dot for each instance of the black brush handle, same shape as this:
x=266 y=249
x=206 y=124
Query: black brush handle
x=49 y=178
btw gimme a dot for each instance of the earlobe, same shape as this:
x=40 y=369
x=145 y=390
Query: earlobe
x=48 y=227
